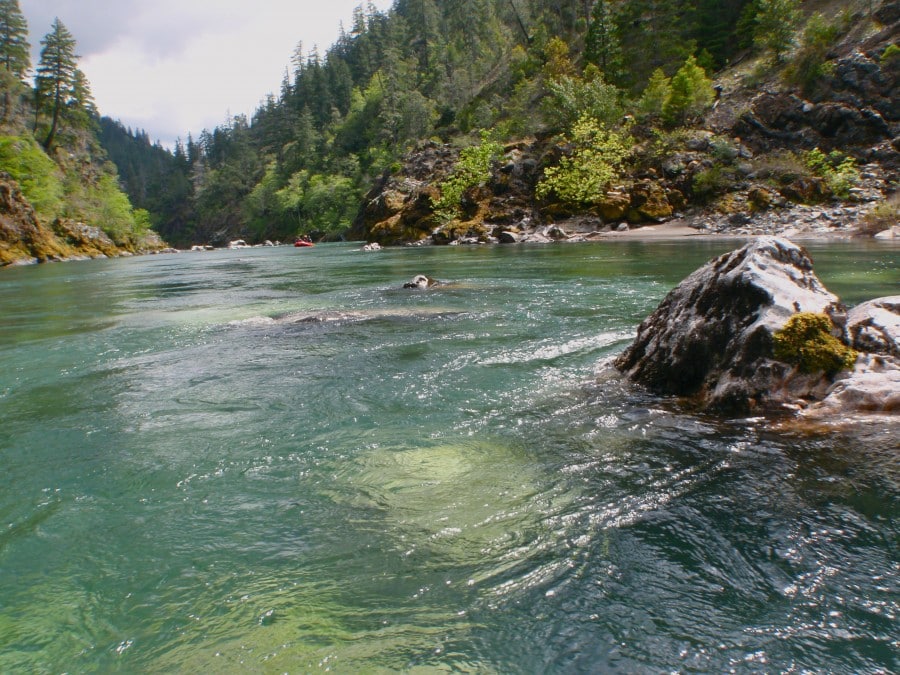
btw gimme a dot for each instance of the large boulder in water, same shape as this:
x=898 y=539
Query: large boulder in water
x=712 y=336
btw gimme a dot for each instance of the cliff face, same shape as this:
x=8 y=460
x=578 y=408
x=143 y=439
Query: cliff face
x=24 y=239
x=22 y=236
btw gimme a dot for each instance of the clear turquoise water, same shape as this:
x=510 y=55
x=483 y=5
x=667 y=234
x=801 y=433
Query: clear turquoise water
x=276 y=460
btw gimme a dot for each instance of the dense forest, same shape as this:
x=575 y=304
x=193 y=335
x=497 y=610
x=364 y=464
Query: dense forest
x=49 y=140
x=423 y=69
x=472 y=75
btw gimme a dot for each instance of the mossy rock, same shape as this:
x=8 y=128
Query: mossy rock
x=806 y=342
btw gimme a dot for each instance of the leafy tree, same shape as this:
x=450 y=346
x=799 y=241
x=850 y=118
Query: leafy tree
x=56 y=77
x=775 y=25
x=596 y=161
x=14 y=47
x=37 y=174
x=472 y=169
x=574 y=97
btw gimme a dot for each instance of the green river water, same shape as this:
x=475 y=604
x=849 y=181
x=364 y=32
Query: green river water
x=277 y=460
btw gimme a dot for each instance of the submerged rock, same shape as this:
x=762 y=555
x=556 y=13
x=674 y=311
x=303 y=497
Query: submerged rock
x=713 y=338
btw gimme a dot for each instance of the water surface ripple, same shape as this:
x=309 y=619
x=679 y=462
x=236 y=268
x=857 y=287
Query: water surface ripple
x=280 y=461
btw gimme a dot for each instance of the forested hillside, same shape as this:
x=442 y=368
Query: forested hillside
x=587 y=102
x=66 y=189
x=601 y=88
x=423 y=69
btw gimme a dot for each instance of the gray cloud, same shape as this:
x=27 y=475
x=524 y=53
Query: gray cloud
x=170 y=66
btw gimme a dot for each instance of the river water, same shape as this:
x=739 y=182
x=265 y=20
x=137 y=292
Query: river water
x=277 y=460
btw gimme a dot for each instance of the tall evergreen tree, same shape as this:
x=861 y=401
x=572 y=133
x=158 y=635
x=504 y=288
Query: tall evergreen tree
x=55 y=82
x=14 y=47
x=776 y=23
x=601 y=44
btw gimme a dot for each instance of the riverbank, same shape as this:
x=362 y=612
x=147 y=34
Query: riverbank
x=835 y=221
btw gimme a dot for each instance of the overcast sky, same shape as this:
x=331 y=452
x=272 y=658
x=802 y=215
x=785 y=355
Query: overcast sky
x=178 y=66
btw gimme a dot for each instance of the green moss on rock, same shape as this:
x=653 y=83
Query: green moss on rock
x=806 y=341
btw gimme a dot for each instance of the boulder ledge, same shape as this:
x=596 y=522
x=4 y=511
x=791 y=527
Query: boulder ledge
x=711 y=338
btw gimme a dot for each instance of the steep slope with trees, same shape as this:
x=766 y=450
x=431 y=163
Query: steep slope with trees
x=62 y=194
x=604 y=110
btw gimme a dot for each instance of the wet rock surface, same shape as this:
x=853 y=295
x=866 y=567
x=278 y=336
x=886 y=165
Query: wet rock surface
x=712 y=338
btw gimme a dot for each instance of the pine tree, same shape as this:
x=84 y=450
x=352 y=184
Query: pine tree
x=14 y=47
x=601 y=44
x=656 y=93
x=776 y=23
x=55 y=83
x=691 y=93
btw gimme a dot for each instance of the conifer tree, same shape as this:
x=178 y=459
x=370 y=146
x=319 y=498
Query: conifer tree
x=691 y=93
x=14 y=47
x=776 y=23
x=601 y=44
x=55 y=82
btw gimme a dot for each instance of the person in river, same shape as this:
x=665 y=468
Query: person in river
x=421 y=281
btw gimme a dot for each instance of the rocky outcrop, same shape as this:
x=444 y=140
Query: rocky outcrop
x=713 y=338
x=782 y=119
x=400 y=207
x=87 y=240
x=22 y=237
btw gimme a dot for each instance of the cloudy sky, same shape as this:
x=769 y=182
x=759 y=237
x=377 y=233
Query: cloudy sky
x=178 y=66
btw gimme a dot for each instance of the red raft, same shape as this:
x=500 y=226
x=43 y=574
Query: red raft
x=303 y=241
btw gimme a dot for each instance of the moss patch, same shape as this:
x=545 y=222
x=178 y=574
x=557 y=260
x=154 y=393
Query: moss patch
x=806 y=341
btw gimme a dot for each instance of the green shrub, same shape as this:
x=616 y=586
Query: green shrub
x=806 y=342
x=712 y=182
x=838 y=170
x=37 y=174
x=473 y=168
x=596 y=161
x=810 y=64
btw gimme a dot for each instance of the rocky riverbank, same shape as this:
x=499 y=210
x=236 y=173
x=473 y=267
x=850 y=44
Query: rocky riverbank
x=768 y=158
x=24 y=239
